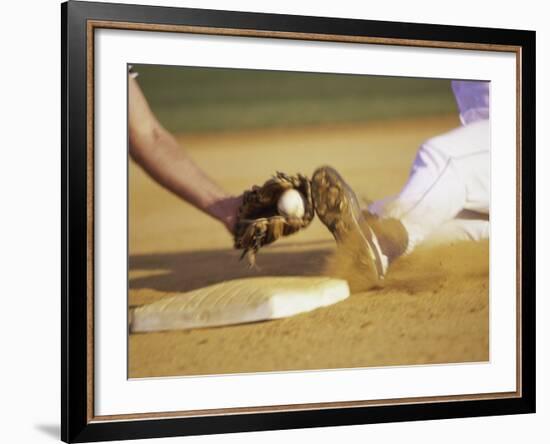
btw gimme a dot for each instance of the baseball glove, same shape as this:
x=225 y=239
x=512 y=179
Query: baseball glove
x=259 y=222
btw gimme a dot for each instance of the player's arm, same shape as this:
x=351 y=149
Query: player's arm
x=160 y=155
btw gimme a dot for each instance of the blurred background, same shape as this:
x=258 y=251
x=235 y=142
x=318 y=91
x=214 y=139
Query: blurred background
x=191 y=99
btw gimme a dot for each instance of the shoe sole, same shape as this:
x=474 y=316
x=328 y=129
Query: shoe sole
x=338 y=208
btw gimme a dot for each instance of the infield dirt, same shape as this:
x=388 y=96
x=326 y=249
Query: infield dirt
x=433 y=307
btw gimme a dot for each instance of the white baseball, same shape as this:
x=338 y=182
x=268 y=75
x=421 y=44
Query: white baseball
x=291 y=204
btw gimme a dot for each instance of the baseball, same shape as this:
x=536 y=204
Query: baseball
x=291 y=204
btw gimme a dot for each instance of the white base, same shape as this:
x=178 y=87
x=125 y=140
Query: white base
x=239 y=301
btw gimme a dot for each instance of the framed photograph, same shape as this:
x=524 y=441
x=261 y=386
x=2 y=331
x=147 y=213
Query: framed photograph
x=275 y=221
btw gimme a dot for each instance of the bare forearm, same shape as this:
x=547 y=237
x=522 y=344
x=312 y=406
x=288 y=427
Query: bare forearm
x=160 y=155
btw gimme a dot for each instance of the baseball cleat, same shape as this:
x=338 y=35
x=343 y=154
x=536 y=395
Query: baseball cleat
x=338 y=208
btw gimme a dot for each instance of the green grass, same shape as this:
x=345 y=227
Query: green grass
x=188 y=99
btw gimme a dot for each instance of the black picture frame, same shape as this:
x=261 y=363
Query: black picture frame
x=77 y=424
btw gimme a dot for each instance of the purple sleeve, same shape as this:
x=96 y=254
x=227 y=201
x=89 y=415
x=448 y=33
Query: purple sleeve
x=472 y=98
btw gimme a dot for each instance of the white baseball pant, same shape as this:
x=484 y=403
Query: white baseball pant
x=447 y=195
